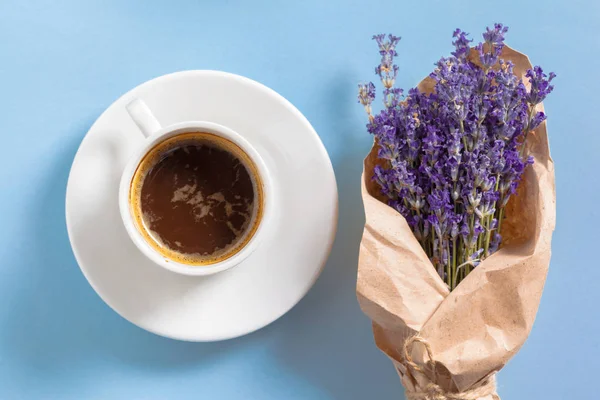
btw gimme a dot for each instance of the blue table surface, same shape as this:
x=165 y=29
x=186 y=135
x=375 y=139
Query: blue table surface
x=63 y=62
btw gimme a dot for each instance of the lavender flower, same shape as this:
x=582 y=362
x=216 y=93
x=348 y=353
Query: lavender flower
x=494 y=41
x=366 y=95
x=540 y=85
x=453 y=158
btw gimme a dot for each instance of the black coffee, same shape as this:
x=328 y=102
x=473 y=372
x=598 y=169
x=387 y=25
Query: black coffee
x=195 y=198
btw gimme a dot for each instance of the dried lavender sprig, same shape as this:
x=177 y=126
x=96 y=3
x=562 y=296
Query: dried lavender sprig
x=454 y=157
x=366 y=95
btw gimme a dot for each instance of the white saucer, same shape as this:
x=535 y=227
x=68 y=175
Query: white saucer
x=251 y=295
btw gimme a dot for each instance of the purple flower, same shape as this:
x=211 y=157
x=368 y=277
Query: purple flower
x=540 y=85
x=474 y=258
x=489 y=52
x=495 y=36
x=453 y=158
x=461 y=44
x=386 y=70
x=537 y=119
x=387 y=46
x=366 y=93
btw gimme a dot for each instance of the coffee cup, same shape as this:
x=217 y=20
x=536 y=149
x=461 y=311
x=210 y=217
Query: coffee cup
x=222 y=202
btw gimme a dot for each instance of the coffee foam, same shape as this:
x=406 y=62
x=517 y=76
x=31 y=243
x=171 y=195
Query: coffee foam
x=192 y=196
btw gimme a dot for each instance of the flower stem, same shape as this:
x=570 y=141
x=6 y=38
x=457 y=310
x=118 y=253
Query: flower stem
x=466 y=264
x=488 y=236
x=432 y=241
x=529 y=119
x=453 y=285
x=500 y=217
x=449 y=276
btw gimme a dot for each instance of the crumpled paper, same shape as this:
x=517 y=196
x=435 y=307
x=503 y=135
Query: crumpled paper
x=474 y=330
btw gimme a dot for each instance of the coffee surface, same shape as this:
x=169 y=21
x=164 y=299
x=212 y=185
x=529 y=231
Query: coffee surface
x=197 y=199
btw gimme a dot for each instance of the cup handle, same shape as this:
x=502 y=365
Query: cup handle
x=143 y=117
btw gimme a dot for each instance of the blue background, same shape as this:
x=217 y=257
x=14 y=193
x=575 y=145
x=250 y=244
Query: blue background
x=63 y=62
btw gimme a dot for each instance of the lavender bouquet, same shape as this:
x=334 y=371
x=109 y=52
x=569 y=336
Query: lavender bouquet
x=460 y=171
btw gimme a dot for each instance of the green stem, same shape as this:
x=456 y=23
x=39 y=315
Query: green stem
x=423 y=239
x=471 y=234
x=453 y=264
x=488 y=236
x=449 y=262
x=449 y=275
x=432 y=241
x=440 y=251
x=469 y=247
x=529 y=119
x=500 y=217
x=467 y=264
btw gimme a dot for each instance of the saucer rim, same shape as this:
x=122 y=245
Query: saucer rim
x=322 y=154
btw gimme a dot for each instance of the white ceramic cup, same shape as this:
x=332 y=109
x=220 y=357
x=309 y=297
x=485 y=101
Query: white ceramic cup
x=151 y=128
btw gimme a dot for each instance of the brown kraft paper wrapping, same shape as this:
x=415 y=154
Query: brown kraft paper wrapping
x=474 y=330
